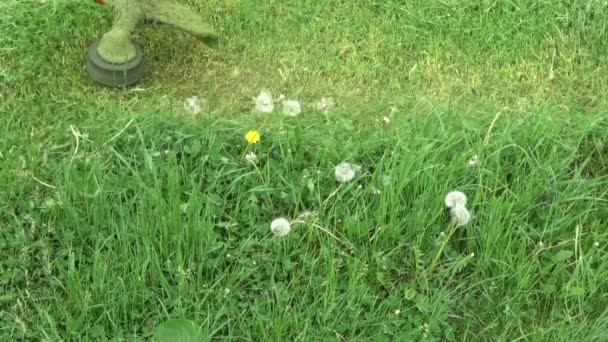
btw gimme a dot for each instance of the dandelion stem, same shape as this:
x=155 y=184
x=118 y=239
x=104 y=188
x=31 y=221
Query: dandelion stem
x=77 y=137
x=119 y=133
x=487 y=138
x=440 y=252
x=43 y=183
x=332 y=235
x=331 y=195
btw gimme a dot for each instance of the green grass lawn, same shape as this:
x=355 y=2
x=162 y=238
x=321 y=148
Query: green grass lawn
x=120 y=210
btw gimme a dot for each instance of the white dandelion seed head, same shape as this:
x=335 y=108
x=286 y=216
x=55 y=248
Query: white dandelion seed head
x=263 y=102
x=193 y=105
x=596 y=244
x=345 y=172
x=455 y=199
x=291 y=108
x=325 y=104
x=460 y=215
x=386 y=120
x=474 y=161
x=397 y=312
x=183 y=207
x=386 y=180
x=251 y=157
x=280 y=227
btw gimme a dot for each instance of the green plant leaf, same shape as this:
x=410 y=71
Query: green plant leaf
x=410 y=294
x=178 y=330
x=576 y=291
x=562 y=255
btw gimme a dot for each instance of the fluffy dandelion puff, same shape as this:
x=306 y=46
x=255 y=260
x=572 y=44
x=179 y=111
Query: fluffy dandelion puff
x=193 y=105
x=455 y=199
x=386 y=180
x=251 y=157
x=291 y=108
x=183 y=207
x=280 y=227
x=460 y=215
x=345 y=172
x=325 y=104
x=474 y=161
x=263 y=102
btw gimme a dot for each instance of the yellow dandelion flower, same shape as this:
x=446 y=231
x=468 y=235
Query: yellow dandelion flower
x=253 y=137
